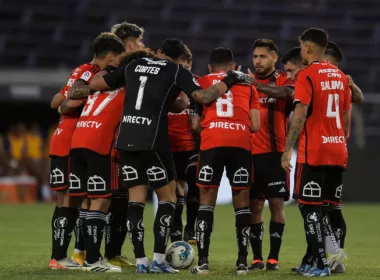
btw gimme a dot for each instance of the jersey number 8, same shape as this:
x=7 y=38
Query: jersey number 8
x=224 y=106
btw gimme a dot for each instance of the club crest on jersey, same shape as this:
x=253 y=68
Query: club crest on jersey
x=86 y=76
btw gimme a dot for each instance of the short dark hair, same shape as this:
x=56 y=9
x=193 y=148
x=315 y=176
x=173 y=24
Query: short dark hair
x=133 y=55
x=107 y=42
x=221 y=56
x=173 y=48
x=293 y=56
x=125 y=30
x=333 y=50
x=187 y=56
x=318 y=36
x=265 y=43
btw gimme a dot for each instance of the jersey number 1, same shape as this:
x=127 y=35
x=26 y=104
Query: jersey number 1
x=333 y=108
x=140 y=93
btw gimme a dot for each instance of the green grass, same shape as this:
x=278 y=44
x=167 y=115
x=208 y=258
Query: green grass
x=25 y=245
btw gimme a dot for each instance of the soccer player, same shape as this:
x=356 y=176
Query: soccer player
x=226 y=143
x=116 y=229
x=185 y=155
x=322 y=102
x=292 y=63
x=270 y=181
x=152 y=85
x=66 y=213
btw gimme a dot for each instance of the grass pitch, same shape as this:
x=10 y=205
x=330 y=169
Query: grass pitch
x=25 y=245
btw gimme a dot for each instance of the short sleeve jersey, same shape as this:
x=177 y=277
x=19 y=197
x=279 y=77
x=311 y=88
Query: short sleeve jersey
x=324 y=88
x=274 y=117
x=152 y=86
x=226 y=121
x=61 y=140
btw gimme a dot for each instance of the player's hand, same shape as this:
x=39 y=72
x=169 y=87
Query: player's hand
x=252 y=77
x=239 y=68
x=350 y=81
x=285 y=160
x=233 y=77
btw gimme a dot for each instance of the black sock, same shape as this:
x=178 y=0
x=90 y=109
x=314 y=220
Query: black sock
x=313 y=222
x=308 y=257
x=162 y=224
x=55 y=241
x=63 y=227
x=176 y=228
x=205 y=224
x=276 y=230
x=331 y=243
x=116 y=227
x=80 y=230
x=192 y=198
x=135 y=226
x=243 y=230
x=95 y=223
x=338 y=224
x=257 y=233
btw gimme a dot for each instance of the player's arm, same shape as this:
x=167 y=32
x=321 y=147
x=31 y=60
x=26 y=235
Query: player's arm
x=57 y=100
x=286 y=92
x=70 y=106
x=356 y=92
x=80 y=88
x=180 y=104
x=347 y=124
x=255 y=110
x=195 y=114
x=346 y=111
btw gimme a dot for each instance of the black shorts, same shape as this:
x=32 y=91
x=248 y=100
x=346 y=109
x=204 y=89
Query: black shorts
x=269 y=179
x=182 y=161
x=238 y=164
x=91 y=174
x=59 y=173
x=152 y=168
x=318 y=184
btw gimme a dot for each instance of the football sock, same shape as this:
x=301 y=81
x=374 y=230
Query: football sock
x=55 y=241
x=80 y=230
x=135 y=226
x=116 y=227
x=162 y=224
x=242 y=224
x=192 y=198
x=256 y=239
x=338 y=223
x=331 y=245
x=308 y=258
x=312 y=215
x=276 y=230
x=205 y=224
x=176 y=228
x=63 y=227
x=95 y=223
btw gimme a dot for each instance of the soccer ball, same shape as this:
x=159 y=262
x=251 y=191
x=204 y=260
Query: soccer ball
x=180 y=254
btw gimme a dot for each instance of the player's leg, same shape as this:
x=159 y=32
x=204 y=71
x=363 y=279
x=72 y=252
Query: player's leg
x=101 y=181
x=161 y=175
x=135 y=179
x=192 y=198
x=64 y=216
x=277 y=192
x=180 y=165
x=256 y=205
x=239 y=169
x=309 y=193
x=210 y=172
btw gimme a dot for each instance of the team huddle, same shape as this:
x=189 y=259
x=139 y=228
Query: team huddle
x=132 y=118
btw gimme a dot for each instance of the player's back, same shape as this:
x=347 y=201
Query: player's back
x=322 y=141
x=99 y=120
x=226 y=122
x=151 y=92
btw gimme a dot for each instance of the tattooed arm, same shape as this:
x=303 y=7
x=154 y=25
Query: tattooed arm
x=210 y=94
x=57 y=100
x=356 y=92
x=70 y=107
x=347 y=124
x=79 y=90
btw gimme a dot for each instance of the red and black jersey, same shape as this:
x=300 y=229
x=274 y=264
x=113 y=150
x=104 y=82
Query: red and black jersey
x=274 y=116
x=61 y=140
x=324 y=88
x=226 y=121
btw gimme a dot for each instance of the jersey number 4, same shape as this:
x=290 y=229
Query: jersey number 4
x=224 y=106
x=333 y=108
x=91 y=102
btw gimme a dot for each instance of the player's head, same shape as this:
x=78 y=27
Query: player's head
x=265 y=55
x=313 y=43
x=108 y=49
x=292 y=63
x=131 y=35
x=172 y=49
x=186 y=59
x=221 y=59
x=133 y=55
x=333 y=54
